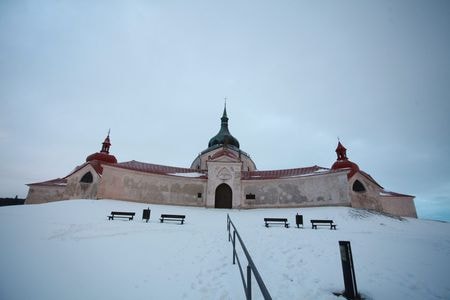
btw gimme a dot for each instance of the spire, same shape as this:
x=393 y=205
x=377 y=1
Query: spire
x=341 y=151
x=224 y=136
x=224 y=115
x=106 y=144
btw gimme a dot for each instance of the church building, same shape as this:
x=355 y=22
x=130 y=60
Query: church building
x=223 y=176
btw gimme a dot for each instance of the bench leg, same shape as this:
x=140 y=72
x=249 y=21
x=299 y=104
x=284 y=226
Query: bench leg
x=267 y=225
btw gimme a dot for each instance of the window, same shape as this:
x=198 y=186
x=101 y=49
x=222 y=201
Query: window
x=199 y=195
x=358 y=187
x=250 y=196
x=87 y=178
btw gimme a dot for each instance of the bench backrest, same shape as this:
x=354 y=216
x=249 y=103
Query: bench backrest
x=173 y=216
x=275 y=219
x=322 y=221
x=124 y=213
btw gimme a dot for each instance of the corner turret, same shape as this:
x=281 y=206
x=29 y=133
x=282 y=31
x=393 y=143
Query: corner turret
x=103 y=155
x=343 y=162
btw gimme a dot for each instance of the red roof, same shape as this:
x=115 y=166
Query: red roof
x=346 y=164
x=385 y=193
x=102 y=156
x=97 y=165
x=53 y=182
x=273 y=174
x=370 y=178
x=224 y=152
x=158 y=169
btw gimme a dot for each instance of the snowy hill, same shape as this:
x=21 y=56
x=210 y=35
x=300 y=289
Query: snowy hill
x=69 y=250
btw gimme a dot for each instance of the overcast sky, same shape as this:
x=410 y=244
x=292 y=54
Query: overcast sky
x=297 y=75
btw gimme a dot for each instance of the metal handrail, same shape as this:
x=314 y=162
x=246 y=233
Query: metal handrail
x=250 y=267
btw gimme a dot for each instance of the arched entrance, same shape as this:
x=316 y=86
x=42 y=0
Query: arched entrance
x=224 y=196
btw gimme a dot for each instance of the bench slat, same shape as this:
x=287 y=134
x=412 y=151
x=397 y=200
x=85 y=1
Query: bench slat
x=316 y=223
x=172 y=218
x=276 y=220
x=121 y=214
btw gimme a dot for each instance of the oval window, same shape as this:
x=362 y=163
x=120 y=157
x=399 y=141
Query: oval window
x=358 y=187
x=87 y=178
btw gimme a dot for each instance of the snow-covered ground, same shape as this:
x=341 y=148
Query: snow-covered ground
x=70 y=250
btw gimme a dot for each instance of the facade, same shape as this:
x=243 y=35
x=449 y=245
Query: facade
x=222 y=176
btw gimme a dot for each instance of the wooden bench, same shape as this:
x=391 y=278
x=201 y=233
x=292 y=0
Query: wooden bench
x=276 y=220
x=121 y=214
x=172 y=218
x=316 y=223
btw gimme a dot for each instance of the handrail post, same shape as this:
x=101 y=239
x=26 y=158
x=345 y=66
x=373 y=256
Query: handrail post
x=228 y=227
x=249 y=282
x=234 y=247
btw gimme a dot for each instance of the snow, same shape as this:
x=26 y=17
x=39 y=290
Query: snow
x=69 y=250
x=188 y=174
x=321 y=171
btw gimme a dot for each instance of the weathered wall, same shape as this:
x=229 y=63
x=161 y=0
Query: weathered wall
x=368 y=199
x=399 y=206
x=143 y=187
x=43 y=194
x=315 y=190
x=80 y=190
x=373 y=198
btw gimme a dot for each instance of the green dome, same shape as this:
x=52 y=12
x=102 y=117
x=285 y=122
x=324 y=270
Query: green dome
x=224 y=136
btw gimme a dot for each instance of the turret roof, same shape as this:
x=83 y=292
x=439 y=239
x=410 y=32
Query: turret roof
x=224 y=137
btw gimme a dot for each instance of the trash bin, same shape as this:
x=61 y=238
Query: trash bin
x=299 y=220
x=146 y=214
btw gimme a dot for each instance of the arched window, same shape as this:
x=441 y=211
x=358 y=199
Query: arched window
x=87 y=178
x=358 y=187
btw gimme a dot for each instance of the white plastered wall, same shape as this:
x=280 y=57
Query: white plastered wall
x=131 y=185
x=303 y=191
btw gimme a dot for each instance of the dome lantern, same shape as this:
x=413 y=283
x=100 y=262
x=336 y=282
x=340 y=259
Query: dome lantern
x=224 y=137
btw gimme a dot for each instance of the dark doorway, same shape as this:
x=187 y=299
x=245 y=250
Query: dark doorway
x=224 y=196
